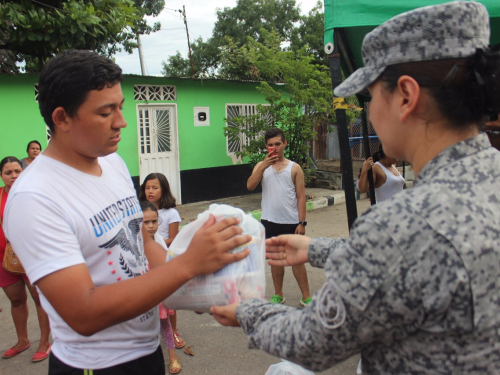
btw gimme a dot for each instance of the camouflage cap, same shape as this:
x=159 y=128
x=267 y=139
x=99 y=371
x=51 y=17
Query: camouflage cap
x=450 y=30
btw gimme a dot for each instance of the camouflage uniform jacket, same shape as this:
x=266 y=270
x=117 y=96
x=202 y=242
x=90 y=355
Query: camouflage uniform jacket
x=415 y=288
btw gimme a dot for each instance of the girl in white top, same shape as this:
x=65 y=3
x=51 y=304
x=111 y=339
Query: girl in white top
x=386 y=177
x=150 y=223
x=156 y=189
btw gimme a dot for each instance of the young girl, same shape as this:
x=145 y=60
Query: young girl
x=150 y=222
x=156 y=190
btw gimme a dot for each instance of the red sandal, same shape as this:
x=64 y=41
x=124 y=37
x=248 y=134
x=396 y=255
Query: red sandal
x=40 y=356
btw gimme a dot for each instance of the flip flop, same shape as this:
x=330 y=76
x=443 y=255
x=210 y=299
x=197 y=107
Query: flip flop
x=179 y=342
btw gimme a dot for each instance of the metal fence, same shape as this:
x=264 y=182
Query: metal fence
x=326 y=151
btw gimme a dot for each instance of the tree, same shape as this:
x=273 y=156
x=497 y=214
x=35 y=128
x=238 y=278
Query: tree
x=231 y=30
x=303 y=101
x=204 y=59
x=309 y=34
x=41 y=30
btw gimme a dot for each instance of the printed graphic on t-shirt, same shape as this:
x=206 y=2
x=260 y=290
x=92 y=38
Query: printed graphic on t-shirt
x=131 y=258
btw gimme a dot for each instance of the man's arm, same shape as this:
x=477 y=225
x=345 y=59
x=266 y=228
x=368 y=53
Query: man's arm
x=258 y=171
x=87 y=308
x=300 y=191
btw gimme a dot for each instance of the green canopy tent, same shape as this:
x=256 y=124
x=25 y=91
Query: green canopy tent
x=346 y=24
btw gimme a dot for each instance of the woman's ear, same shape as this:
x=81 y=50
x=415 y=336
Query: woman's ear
x=409 y=91
x=60 y=119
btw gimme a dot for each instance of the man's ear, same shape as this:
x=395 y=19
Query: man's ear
x=410 y=94
x=60 y=119
x=284 y=143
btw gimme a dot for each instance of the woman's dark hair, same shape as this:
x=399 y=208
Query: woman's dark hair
x=9 y=159
x=145 y=205
x=29 y=144
x=66 y=80
x=466 y=90
x=379 y=155
x=167 y=199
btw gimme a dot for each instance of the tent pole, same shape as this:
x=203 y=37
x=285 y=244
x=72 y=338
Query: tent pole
x=345 y=150
x=366 y=146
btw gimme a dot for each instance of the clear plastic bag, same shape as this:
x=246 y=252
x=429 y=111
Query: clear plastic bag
x=233 y=283
x=287 y=368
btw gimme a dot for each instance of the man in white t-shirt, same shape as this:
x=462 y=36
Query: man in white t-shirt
x=76 y=224
x=283 y=205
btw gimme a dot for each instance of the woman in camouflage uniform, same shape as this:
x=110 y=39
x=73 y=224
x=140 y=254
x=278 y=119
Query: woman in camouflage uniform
x=415 y=288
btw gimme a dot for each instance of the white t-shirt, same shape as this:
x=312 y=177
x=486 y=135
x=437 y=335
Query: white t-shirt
x=58 y=217
x=167 y=216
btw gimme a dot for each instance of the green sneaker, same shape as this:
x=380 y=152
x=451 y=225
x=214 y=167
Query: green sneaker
x=305 y=302
x=277 y=299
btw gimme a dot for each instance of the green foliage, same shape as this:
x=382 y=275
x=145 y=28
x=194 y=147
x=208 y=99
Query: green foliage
x=35 y=31
x=230 y=33
x=299 y=94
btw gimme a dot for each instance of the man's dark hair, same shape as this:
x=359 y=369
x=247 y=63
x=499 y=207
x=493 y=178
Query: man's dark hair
x=66 y=80
x=274 y=132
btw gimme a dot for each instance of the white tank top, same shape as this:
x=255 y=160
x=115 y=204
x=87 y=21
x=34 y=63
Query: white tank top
x=279 y=198
x=393 y=184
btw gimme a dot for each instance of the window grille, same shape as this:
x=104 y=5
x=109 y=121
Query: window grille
x=154 y=93
x=236 y=143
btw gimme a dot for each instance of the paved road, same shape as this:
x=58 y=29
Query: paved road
x=218 y=350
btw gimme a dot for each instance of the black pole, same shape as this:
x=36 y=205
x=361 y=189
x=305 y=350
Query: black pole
x=345 y=150
x=366 y=146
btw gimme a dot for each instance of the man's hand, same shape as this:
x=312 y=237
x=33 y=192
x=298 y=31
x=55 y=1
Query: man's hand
x=300 y=229
x=226 y=315
x=270 y=160
x=287 y=250
x=208 y=250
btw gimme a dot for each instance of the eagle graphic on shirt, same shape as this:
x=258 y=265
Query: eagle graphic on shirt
x=127 y=239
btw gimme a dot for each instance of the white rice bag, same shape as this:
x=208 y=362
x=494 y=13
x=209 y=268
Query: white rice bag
x=234 y=282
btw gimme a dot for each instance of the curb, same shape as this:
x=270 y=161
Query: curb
x=314 y=204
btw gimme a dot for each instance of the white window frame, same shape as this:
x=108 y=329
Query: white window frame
x=245 y=109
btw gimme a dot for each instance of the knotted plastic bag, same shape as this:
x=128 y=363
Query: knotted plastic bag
x=287 y=368
x=234 y=282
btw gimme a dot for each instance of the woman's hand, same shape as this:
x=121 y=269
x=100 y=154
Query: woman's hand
x=287 y=250
x=208 y=250
x=226 y=315
x=367 y=165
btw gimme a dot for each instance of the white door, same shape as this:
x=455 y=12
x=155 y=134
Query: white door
x=158 y=145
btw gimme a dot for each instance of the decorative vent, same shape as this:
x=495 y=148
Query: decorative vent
x=154 y=93
x=36 y=92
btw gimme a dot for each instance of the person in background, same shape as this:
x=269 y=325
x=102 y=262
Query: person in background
x=283 y=206
x=156 y=189
x=15 y=286
x=414 y=288
x=386 y=178
x=34 y=148
x=150 y=223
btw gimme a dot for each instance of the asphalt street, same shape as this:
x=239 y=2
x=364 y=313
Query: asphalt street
x=218 y=350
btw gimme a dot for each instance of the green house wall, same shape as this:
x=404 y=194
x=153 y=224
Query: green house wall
x=202 y=149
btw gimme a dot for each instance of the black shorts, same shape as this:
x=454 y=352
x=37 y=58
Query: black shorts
x=275 y=229
x=152 y=364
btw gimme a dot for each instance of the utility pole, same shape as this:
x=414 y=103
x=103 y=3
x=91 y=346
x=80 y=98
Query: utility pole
x=141 y=58
x=189 y=43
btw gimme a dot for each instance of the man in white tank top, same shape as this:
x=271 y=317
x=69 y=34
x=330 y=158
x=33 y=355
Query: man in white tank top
x=283 y=205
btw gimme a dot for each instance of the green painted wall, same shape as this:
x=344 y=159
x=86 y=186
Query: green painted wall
x=199 y=147
x=20 y=119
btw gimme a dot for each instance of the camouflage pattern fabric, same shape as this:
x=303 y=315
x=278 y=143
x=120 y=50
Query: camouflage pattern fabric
x=450 y=30
x=414 y=289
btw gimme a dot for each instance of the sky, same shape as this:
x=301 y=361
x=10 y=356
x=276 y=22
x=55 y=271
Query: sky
x=157 y=47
